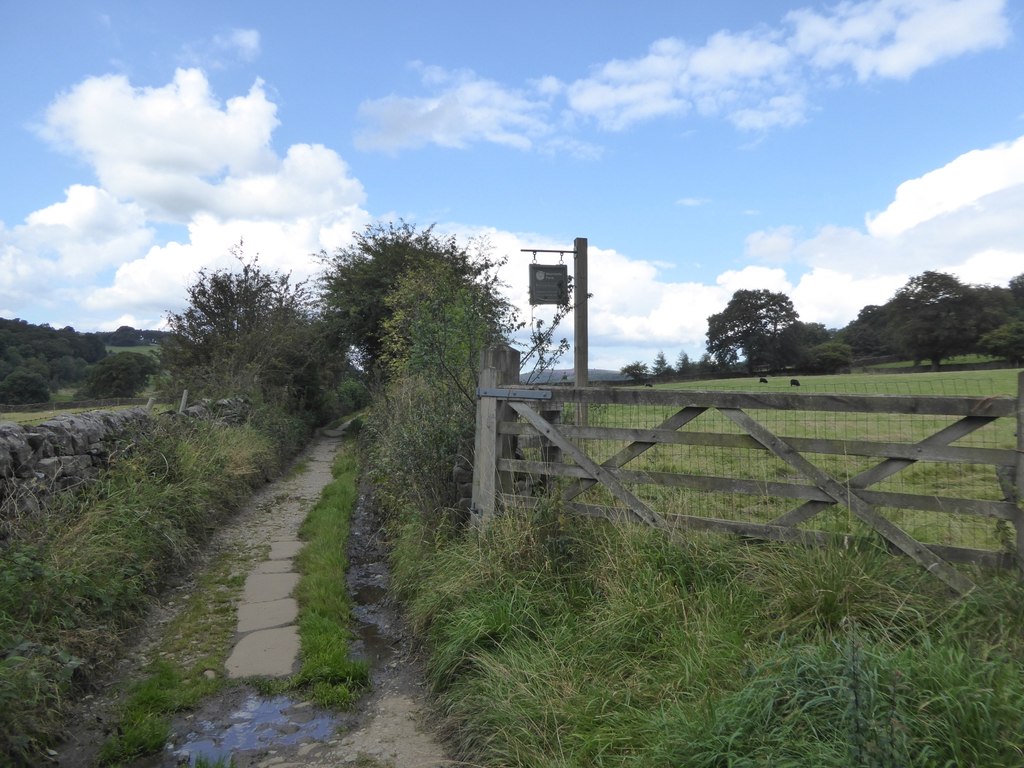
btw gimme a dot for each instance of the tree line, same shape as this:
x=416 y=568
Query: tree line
x=933 y=317
x=37 y=361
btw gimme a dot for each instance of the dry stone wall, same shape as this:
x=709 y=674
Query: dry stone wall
x=64 y=452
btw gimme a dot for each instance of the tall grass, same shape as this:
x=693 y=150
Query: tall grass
x=582 y=643
x=75 y=580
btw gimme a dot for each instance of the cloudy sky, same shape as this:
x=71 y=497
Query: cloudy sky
x=828 y=150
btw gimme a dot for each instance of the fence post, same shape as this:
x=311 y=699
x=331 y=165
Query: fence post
x=499 y=366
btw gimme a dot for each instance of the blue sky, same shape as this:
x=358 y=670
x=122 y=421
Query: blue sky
x=826 y=150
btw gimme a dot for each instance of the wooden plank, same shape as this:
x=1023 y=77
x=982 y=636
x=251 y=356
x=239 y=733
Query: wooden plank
x=674 y=480
x=993 y=407
x=921 y=451
x=1000 y=510
x=641 y=510
x=849 y=498
x=984 y=558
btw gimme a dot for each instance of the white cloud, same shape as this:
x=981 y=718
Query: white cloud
x=245 y=43
x=775 y=245
x=223 y=49
x=464 y=109
x=896 y=38
x=165 y=148
x=757 y=79
x=962 y=183
x=173 y=154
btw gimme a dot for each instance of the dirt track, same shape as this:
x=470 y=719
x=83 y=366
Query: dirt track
x=389 y=727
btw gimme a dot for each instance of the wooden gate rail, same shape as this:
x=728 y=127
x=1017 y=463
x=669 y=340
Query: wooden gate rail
x=521 y=420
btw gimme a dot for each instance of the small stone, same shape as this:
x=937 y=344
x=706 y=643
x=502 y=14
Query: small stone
x=209 y=674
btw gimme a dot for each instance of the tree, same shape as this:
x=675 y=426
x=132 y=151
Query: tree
x=683 y=363
x=830 y=357
x=752 y=325
x=360 y=283
x=935 y=316
x=637 y=371
x=661 y=366
x=22 y=387
x=358 y=280
x=248 y=332
x=441 y=317
x=869 y=334
x=1006 y=341
x=122 y=375
x=125 y=336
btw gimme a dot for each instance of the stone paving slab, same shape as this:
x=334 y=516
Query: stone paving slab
x=274 y=613
x=282 y=550
x=264 y=587
x=273 y=566
x=265 y=653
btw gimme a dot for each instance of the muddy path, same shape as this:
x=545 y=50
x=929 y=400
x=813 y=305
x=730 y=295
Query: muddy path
x=389 y=727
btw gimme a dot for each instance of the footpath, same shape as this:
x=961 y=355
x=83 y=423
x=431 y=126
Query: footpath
x=389 y=727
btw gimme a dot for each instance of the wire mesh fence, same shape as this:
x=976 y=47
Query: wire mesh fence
x=943 y=478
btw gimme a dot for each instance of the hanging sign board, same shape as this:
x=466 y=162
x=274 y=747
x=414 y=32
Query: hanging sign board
x=549 y=284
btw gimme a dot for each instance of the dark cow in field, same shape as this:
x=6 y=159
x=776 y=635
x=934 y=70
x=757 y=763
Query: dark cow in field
x=762 y=380
x=794 y=382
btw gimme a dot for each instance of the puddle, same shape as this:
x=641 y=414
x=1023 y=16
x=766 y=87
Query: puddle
x=259 y=723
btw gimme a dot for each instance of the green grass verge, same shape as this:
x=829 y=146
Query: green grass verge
x=563 y=642
x=327 y=675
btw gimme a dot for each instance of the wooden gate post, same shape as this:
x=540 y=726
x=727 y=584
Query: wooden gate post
x=499 y=366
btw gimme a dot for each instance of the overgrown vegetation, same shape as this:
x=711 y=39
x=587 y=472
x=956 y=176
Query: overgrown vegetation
x=74 y=580
x=579 y=643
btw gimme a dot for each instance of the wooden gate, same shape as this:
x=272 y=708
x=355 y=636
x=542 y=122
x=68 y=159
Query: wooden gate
x=534 y=438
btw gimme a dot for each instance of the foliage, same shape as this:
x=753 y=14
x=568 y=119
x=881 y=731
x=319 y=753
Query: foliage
x=248 y=332
x=352 y=396
x=753 y=324
x=637 y=371
x=660 y=366
x=444 y=312
x=359 y=279
x=121 y=375
x=418 y=428
x=400 y=297
x=1006 y=341
x=126 y=336
x=935 y=316
x=60 y=357
x=23 y=386
x=683 y=363
x=830 y=357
